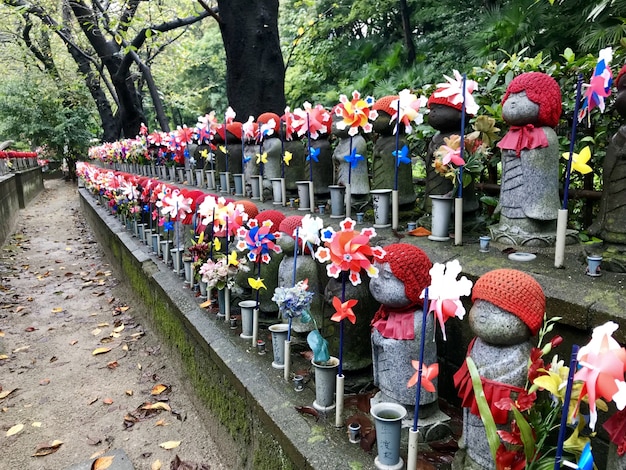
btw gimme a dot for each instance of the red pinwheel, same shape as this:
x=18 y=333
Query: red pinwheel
x=428 y=375
x=349 y=251
x=344 y=310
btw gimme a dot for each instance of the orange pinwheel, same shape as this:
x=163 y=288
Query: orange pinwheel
x=428 y=374
x=344 y=310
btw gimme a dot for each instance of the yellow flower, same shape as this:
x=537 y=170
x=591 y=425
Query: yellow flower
x=579 y=160
x=232 y=259
x=486 y=126
x=217 y=244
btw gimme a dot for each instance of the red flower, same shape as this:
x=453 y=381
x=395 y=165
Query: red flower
x=510 y=459
x=524 y=402
x=514 y=437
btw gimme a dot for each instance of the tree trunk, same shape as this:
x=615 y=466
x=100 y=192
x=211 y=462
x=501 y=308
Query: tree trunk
x=406 y=27
x=255 y=76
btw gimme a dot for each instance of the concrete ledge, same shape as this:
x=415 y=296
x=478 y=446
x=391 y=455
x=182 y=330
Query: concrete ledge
x=29 y=185
x=248 y=400
x=9 y=205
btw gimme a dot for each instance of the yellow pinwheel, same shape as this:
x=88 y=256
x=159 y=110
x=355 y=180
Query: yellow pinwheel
x=287 y=158
x=261 y=158
x=217 y=244
x=232 y=259
x=256 y=284
x=579 y=160
x=204 y=153
x=222 y=148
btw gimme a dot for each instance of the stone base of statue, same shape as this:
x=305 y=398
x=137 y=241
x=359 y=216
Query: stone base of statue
x=527 y=232
x=433 y=424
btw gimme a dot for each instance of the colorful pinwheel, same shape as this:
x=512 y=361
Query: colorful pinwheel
x=579 y=160
x=602 y=365
x=349 y=251
x=445 y=292
x=355 y=113
x=453 y=90
x=409 y=107
x=599 y=87
x=259 y=241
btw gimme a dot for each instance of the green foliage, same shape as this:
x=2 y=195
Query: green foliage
x=37 y=112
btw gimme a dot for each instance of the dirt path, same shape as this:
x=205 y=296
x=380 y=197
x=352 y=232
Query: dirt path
x=59 y=307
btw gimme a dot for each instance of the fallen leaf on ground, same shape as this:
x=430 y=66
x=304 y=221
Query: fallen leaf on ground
x=97 y=454
x=44 y=382
x=92 y=401
x=47 y=448
x=119 y=329
x=6 y=393
x=100 y=351
x=102 y=463
x=36 y=424
x=73 y=342
x=158 y=389
x=15 y=429
x=156 y=406
x=170 y=445
x=96 y=331
x=3 y=357
x=206 y=304
x=1 y=333
x=30 y=329
x=19 y=309
x=107 y=401
x=156 y=465
x=102 y=325
x=23 y=348
x=112 y=365
x=125 y=347
x=160 y=422
x=129 y=393
x=57 y=310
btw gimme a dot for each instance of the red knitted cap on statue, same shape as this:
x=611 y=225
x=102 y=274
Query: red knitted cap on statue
x=541 y=89
x=384 y=104
x=289 y=224
x=249 y=208
x=267 y=117
x=621 y=73
x=411 y=266
x=234 y=128
x=514 y=291
x=275 y=216
x=442 y=100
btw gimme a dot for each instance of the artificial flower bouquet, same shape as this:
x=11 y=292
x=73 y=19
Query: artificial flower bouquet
x=531 y=442
x=448 y=160
x=220 y=273
x=294 y=302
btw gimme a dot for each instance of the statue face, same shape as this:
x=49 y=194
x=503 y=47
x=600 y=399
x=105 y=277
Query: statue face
x=387 y=288
x=495 y=325
x=518 y=110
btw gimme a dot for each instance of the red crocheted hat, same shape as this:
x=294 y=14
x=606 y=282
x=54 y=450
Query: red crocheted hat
x=289 y=224
x=384 y=104
x=442 y=100
x=621 y=73
x=411 y=266
x=275 y=216
x=234 y=128
x=514 y=291
x=249 y=208
x=541 y=89
x=266 y=117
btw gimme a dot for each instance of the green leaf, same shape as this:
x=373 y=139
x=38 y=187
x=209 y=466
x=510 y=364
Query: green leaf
x=483 y=407
x=569 y=55
x=526 y=434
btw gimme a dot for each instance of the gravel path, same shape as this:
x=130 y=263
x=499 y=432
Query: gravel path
x=76 y=364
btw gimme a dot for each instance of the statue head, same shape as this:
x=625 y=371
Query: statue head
x=382 y=124
x=403 y=275
x=509 y=306
x=444 y=115
x=540 y=89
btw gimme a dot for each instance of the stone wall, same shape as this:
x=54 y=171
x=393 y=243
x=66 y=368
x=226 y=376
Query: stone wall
x=29 y=185
x=9 y=205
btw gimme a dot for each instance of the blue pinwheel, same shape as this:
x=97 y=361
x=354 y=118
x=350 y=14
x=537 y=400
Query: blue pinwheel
x=313 y=154
x=168 y=226
x=354 y=158
x=246 y=158
x=402 y=156
x=259 y=241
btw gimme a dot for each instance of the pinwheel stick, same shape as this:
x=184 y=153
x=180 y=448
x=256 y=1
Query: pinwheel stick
x=339 y=382
x=255 y=312
x=282 y=152
x=565 y=410
x=458 y=203
x=308 y=143
x=561 y=222
x=418 y=386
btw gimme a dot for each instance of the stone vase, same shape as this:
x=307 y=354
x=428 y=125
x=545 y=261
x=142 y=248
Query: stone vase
x=200 y=178
x=255 y=187
x=303 y=195
x=180 y=174
x=224 y=183
x=325 y=384
x=203 y=289
x=277 y=191
x=441 y=210
x=238 y=180
x=388 y=421
x=210 y=179
x=279 y=336
x=337 y=201
x=187 y=262
x=381 y=200
x=247 y=308
x=171 y=173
